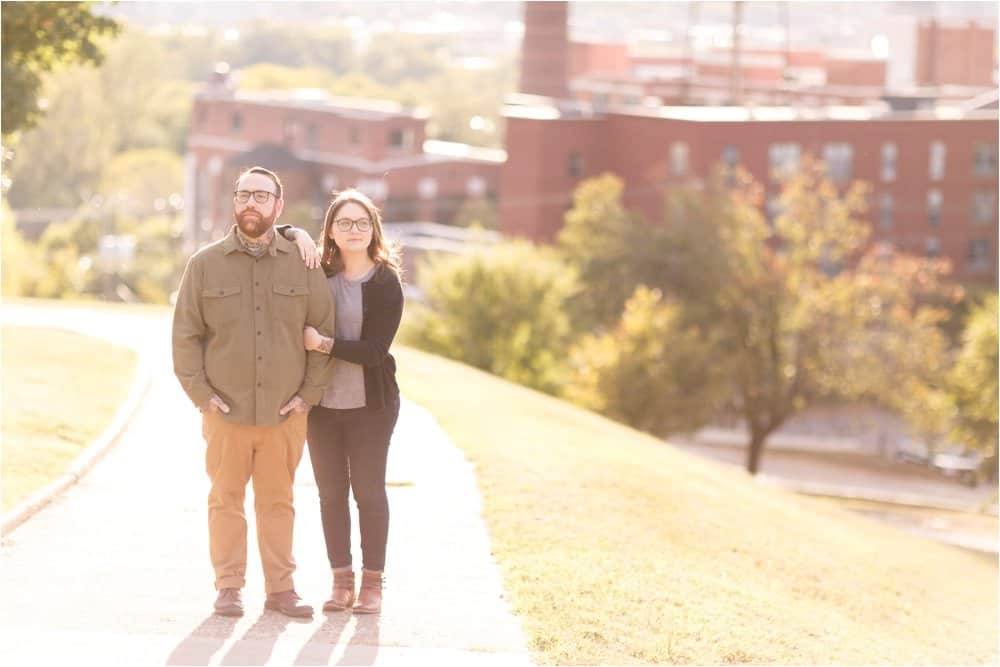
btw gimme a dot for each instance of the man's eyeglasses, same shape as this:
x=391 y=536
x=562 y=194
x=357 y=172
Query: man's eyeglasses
x=259 y=196
x=345 y=224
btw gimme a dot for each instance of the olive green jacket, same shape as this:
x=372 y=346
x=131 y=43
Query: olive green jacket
x=237 y=329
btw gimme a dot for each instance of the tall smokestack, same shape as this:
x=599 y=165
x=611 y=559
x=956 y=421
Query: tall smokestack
x=735 y=75
x=545 y=49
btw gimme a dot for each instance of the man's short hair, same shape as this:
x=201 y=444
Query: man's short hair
x=260 y=170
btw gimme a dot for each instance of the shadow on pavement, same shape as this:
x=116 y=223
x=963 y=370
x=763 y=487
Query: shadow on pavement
x=320 y=646
x=199 y=647
x=257 y=643
x=362 y=649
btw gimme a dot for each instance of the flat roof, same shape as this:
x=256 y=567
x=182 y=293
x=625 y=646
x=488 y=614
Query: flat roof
x=318 y=99
x=743 y=114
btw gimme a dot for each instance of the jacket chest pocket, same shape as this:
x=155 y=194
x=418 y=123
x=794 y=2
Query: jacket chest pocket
x=222 y=305
x=289 y=303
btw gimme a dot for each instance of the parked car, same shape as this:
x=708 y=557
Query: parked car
x=951 y=459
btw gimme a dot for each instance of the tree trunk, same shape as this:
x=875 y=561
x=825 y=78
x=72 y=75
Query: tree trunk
x=754 y=450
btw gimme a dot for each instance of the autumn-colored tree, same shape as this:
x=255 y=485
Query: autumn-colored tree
x=801 y=308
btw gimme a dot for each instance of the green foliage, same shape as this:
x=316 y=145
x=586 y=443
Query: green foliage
x=21 y=266
x=478 y=212
x=290 y=45
x=609 y=248
x=269 y=76
x=973 y=381
x=95 y=114
x=390 y=60
x=473 y=117
x=141 y=182
x=498 y=309
x=37 y=38
x=652 y=371
x=156 y=269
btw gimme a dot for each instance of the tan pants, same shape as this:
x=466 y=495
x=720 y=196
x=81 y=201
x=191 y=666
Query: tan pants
x=269 y=455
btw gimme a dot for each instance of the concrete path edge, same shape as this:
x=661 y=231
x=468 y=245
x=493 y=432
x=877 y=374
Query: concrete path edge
x=90 y=455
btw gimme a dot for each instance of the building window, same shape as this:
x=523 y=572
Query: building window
x=401 y=138
x=237 y=121
x=574 y=165
x=784 y=160
x=355 y=135
x=730 y=156
x=329 y=182
x=475 y=186
x=979 y=254
x=932 y=246
x=292 y=133
x=934 y=200
x=427 y=188
x=984 y=207
x=889 y=155
x=937 y=156
x=376 y=188
x=886 y=205
x=839 y=160
x=984 y=160
x=678 y=158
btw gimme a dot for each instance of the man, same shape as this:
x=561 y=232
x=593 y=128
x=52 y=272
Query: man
x=237 y=343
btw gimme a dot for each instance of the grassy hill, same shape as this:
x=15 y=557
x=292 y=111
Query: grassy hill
x=60 y=391
x=619 y=549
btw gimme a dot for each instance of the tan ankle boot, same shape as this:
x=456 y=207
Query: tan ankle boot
x=343 y=592
x=370 y=597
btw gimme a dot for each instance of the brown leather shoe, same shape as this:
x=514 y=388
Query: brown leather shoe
x=288 y=603
x=370 y=597
x=343 y=592
x=229 y=602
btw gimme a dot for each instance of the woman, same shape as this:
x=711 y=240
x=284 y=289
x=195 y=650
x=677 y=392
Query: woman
x=349 y=431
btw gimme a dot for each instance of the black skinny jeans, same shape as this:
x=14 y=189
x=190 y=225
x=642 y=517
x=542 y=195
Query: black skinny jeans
x=348 y=450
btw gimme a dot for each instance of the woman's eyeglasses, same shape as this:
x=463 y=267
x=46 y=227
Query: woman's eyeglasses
x=345 y=224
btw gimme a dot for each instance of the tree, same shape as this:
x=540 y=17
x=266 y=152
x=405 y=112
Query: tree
x=973 y=382
x=499 y=309
x=95 y=114
x=37 y=38
x=652 y=371
x=799 y=310
x=143 y=182
x=21 y=265
x=609 y=248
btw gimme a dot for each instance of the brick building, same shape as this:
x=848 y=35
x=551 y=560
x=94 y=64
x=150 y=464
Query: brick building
x=933 y=171
x=317 y=144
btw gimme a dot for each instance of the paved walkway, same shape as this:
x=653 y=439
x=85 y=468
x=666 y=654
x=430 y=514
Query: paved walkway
x=116 y=570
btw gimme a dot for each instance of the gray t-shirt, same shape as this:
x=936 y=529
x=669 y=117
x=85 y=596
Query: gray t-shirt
x=347 y=384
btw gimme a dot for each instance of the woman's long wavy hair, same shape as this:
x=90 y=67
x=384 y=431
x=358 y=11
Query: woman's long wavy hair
x=381 y=251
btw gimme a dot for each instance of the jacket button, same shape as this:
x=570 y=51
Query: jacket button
x=293 y=291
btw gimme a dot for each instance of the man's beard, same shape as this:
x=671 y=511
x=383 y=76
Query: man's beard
x=253 y=224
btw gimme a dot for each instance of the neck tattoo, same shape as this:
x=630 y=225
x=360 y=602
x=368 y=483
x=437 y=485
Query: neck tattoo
x=257 y=246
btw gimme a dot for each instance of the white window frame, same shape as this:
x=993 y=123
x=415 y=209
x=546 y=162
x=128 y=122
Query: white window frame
x=783 y=159
x=839 y=159
x=936 y=161
x=890 y=156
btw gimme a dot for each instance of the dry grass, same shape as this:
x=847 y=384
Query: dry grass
x=60 y=390
x=618 y=549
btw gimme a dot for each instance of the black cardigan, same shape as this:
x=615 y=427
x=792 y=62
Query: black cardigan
x=381 y=312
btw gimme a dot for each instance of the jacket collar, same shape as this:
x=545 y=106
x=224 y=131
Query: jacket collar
x=278 y=243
